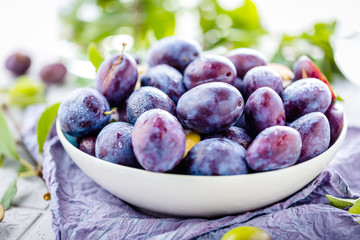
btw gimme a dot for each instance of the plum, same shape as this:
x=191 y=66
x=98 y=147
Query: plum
x=274 y=148
x=314 y=130
x=216 y=157
x=210 y=107
x=158 y=140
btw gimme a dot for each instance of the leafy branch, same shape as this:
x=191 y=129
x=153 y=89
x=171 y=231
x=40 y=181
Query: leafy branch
x=25 y=92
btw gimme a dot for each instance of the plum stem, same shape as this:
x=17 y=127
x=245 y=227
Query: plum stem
x=28 y=174
x=109 y=112
x=27 y=164
x=106 y=82
x=18 y=129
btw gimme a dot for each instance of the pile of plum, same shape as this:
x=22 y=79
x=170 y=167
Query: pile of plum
x=237 y=105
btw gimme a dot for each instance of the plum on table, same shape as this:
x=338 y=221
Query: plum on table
x=18 y=63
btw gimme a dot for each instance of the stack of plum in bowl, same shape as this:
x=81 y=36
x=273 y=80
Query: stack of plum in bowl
x=204 y=135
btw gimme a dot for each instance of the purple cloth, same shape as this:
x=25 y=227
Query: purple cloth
x=81 y=209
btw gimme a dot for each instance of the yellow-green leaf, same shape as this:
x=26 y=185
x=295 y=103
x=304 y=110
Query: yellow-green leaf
x=7 y=142
x=340 y=202
x=26 y=92
x=9 y=194
x=355 y=209
x=45 y=123
x=95 y=56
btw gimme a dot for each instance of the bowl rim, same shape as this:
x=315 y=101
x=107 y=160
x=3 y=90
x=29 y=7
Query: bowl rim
x=175 y=176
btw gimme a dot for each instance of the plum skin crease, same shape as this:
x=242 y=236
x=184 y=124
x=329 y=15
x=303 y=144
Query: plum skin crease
x=119 y=84
x=159 y=140
x=274 y=148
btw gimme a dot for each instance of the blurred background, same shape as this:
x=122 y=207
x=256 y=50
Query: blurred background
x=53 y=30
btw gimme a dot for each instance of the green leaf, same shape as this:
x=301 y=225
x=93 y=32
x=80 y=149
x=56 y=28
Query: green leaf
x=84 y=82
x=340 y=202
x=44 y=124
x=338 y=98
x=26 y=91
x=9 y=194
x=244 y=27
x=355 y=209
x=7 y=142
x=95 y=56
x=22 y=169
x=315 y=40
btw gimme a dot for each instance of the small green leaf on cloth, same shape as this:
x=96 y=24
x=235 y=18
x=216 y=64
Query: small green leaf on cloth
x=9 y=194
x=355 y=209
x=340 y=202
x=45 y=123
x=26 y=92
x=7 y=142
x=95 y=56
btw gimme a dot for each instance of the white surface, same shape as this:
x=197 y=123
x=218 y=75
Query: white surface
x=199 y=196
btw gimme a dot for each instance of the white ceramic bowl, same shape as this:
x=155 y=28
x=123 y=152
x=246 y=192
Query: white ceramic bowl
x=199 y=196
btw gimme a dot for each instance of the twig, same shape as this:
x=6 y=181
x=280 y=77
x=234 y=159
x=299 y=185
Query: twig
x=28 y=174
x=27 y=164
x=107 y=82
x=18 y=129
x=12 y=118
x=39 y=166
